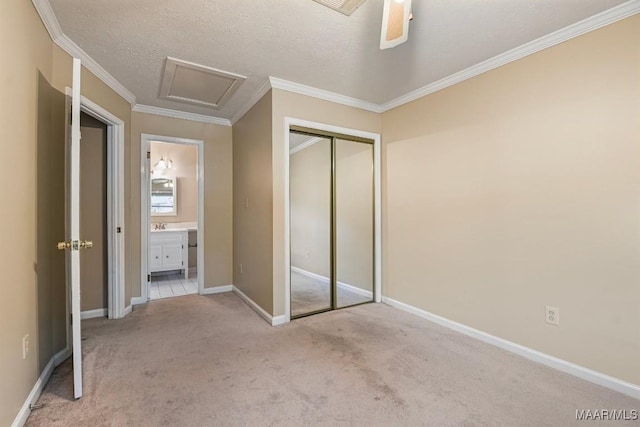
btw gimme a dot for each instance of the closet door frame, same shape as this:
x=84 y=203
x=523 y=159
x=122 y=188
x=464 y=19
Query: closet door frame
x=333 y=132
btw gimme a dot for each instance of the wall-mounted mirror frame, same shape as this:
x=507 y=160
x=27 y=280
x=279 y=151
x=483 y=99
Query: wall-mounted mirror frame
x=163 y=196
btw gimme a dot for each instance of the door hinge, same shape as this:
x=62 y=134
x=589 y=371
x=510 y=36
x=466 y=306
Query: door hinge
x=148 y=277
x=118 y=229
x=148 y=154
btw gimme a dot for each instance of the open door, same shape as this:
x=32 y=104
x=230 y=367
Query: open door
x=73 y=245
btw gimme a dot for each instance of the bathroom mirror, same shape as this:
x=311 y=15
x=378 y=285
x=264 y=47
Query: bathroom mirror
x=163 y=196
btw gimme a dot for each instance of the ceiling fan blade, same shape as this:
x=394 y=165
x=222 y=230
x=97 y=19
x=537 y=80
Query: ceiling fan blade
x=395 y=23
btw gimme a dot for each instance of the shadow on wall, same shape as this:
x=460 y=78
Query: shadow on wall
x=50 y=222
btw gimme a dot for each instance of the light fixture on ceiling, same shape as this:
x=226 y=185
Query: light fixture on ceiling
x=396 y=15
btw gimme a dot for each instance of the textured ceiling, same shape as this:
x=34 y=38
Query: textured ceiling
x=304 y=42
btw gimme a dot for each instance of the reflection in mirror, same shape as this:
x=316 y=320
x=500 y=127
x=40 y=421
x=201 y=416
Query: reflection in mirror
x=310 y=207
x=354 y=222
x=163 y=196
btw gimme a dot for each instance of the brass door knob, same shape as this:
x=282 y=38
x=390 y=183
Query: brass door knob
x=86 y=244
x=63 y=245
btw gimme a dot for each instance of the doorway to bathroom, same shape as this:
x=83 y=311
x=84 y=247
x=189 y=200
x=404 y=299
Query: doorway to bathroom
x=172 y=212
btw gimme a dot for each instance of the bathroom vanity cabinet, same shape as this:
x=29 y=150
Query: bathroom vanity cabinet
x=168 y=251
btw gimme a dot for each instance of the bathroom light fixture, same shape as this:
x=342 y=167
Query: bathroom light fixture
x=162 y=166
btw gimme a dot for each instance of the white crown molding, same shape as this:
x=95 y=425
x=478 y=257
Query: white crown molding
x=90 y=64
x=592 y=23
x=313 y=92
x=257 y=96
x=306 y=144
x=149 y=109
x=48 y=17
x=44 y=9
x=602 y=19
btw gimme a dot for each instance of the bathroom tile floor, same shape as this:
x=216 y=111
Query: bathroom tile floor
x=173 y=285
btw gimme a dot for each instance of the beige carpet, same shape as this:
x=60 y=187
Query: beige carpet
x=211 y=361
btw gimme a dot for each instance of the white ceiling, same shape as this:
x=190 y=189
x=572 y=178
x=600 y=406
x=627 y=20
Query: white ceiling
x=304 y=42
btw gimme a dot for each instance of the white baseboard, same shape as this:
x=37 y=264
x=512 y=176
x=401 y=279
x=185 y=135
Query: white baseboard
x=354 y=289
x=586 y=374
x=310 y=274
x=61 y=356
x=217 y=290
x=273 y=321
x=36 y=391
x=127 y=310
x=138 y=300
x=279 y=320
x=92 y=314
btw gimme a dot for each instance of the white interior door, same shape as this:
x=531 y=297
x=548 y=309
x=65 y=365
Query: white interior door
x=74 y=221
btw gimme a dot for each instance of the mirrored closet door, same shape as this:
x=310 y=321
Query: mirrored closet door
x=332 y=221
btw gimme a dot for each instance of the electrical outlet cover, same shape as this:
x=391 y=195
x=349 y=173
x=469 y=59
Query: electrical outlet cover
x=552 y=315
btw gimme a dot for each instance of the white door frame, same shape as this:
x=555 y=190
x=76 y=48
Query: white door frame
x=73 y=232
x=115 y=205
x=377 y=194
x=145 y=223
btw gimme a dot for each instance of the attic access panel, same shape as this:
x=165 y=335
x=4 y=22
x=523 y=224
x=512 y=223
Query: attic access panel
x=197 y=84
x=346 y=7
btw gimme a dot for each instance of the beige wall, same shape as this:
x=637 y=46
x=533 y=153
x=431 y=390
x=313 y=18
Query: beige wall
x=27 y=135
x=253 y=204
x=217 y=192
x=287 y=104
x=185 y=169
x=93 y=213
x=519 y=189
x=310 y=206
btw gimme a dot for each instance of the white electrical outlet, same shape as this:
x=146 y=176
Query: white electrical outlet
x=25 y=346
x=241 y=269
x=552 y=315
x=246 y=202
